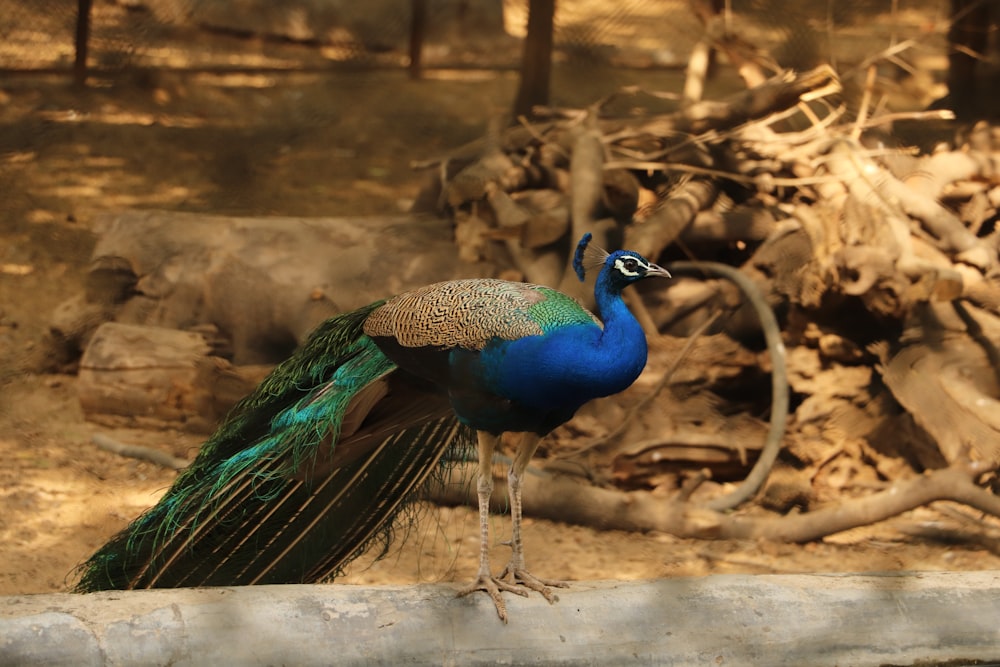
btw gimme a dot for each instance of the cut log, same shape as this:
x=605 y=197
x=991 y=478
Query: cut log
x=948 y=381
x=159 y=376
x=262 y=283
x=818 y=620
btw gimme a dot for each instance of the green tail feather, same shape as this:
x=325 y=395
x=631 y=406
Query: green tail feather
x=276 y=495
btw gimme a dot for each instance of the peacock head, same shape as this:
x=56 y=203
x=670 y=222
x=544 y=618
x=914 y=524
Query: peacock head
x=619 y=269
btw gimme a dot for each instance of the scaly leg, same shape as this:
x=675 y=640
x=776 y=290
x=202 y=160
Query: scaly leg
x=516 y=569
x=485 y=581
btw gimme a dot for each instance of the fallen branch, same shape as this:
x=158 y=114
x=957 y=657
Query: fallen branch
x=586 y=193
x=779 y=378
x=872 y=183
x=564 y=498
x=139 y=452
x=671 y=217
x=776 y=94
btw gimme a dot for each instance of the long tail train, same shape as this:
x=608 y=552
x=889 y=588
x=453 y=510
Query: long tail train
x=303 y=475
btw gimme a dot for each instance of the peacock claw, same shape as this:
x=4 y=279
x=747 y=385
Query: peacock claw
x=493 y=587
x=522 y=578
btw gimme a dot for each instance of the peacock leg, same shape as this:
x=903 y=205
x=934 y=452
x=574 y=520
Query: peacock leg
x=516 y=569
x=485 y=581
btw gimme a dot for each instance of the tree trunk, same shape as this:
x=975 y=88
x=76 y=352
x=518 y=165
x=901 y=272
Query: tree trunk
x=536 y=63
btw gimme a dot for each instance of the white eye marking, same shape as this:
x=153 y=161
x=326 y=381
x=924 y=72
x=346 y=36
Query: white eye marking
x=630 y=266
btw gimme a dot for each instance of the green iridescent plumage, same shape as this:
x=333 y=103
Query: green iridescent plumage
x=270 y=458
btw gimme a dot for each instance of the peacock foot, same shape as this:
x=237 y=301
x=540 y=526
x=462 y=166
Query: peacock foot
x=493 y=586
x=519 y=576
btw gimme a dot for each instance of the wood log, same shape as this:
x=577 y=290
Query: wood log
x=263 y=283
x=819 y=620
x=565 y=498
x=671 y=217
x=158 y=377
x=776 y=94
x=947 y=379
x=742 y=223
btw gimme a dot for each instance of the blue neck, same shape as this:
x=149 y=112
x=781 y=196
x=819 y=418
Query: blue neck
x=620 y=351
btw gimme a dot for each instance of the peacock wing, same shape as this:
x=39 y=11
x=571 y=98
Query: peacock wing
x=469 y=313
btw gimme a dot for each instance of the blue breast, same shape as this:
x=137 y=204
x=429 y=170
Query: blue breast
x=539 y=382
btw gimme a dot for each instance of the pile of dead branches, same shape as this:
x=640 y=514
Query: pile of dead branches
x=830 y=332
x=836 y=304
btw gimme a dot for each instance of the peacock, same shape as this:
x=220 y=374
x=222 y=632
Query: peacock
x=308 y=471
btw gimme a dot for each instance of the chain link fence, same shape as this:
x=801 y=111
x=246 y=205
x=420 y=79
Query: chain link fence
x=39 y=35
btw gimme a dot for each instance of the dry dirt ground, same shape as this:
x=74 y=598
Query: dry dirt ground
x=295 y=144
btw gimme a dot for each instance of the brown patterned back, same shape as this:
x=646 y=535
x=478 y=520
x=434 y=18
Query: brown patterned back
x=468 y=313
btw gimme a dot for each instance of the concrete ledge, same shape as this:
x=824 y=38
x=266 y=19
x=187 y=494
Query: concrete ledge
x=834 y=619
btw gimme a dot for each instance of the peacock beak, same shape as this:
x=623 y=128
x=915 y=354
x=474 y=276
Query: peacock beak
x=657 y=271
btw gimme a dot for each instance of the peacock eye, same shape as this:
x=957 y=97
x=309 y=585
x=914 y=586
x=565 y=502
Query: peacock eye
x=630 y=264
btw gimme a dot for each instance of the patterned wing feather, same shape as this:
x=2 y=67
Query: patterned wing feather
x=470 y=313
